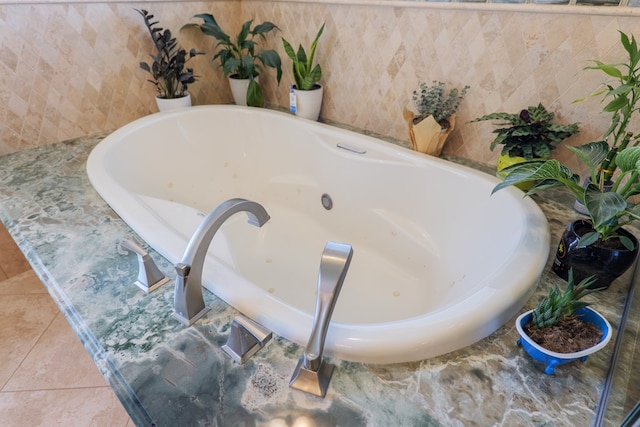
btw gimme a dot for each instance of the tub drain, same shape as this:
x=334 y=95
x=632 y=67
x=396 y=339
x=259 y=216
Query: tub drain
x=327 y=203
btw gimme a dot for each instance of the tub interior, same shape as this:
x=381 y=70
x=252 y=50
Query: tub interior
x=419 y=231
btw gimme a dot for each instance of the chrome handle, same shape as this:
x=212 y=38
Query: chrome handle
x=149 y=276
x=334 y=264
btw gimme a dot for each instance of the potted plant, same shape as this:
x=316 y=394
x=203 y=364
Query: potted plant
x=434 y=118
x=530 y=134
x=600 y=245
x=622 y=95
x=306 y=99
x=239 y=60
x=561 y=328
x=170 y=74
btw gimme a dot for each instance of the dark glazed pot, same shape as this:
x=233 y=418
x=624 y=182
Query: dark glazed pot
x=605 y=263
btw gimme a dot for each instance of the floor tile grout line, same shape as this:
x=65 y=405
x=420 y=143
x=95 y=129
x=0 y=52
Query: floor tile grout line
x=31 y=390
x=29 y=352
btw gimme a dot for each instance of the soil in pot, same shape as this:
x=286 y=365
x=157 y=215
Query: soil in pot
x=569 y=335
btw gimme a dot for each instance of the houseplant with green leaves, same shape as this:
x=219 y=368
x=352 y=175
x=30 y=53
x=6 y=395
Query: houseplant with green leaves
x=622 y=95
x=307 y=92
x=171 y=76
x=527 y=135
x=613 y=163
x=434 y=116
x=241 y=59
x=562 y=328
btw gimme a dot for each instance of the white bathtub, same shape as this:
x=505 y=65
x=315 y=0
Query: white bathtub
x=438 y=262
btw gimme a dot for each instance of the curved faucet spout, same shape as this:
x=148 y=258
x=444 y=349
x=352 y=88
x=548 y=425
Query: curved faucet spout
x=188 y=300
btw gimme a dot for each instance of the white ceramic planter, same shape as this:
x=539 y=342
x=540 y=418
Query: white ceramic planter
x=308 y=103
x=173 y=103
x=239 y=89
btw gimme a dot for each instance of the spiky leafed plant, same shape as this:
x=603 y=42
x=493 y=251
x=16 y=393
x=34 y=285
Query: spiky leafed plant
x=529 y=134
x=304 y=73
x=558 y=305
x=170 y=74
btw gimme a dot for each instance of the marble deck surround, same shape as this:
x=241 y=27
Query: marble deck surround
x=46 y=376
x=166 y=374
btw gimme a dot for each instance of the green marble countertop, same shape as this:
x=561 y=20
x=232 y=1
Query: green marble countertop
x=169 y=375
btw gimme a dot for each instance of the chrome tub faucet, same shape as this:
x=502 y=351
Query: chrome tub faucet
x=188 y=300
x=312 y=374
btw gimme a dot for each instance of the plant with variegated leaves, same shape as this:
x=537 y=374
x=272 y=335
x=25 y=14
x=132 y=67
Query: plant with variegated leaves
x=558 y=305
x=531 y=133
x=608 y=210
x=305 y=74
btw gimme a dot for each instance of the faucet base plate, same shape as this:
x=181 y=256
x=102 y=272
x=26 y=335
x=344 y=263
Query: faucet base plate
x=246 y=337
x=188 y=322
x=149 y=289
x=312 y=382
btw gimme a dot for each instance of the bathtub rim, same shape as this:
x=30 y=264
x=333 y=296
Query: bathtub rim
x=339 y=337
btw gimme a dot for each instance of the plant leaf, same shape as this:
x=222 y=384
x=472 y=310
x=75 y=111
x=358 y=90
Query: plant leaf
x=609 y=69
x=288 y=49
x=264 y=28
x=592 y=154
x=627 y=159
x=588 y=239
x=618 y=103
x=270 y=58
x=538 y=170
x=212 y=29
x=603 y=207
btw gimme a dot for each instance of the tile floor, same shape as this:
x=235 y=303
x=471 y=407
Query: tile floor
x=47 y=378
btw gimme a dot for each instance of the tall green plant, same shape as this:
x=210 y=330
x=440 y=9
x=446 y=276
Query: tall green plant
x=615 y=164
x=240 y=58
x=622 y=96
x=305 y=74
x=170 y=74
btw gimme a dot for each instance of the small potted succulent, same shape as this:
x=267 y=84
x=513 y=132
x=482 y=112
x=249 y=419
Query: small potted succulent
x=306 y=99
x=239 y=60
x=525 y=136
x=561 y=328
x=170 y=74
x=434 y=118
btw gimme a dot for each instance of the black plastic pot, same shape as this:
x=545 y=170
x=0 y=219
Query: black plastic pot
x=607 y=264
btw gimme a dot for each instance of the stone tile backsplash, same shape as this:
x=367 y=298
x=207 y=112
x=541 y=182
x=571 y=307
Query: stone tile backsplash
x=68 y=70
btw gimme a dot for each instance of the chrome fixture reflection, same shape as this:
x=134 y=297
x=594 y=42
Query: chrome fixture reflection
x=188 y=301
x=312 y=375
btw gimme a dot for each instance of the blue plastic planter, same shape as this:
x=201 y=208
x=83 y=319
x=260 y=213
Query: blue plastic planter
x=552 y=359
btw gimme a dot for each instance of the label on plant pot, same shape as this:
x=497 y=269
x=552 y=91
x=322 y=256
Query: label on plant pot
x=292 y=100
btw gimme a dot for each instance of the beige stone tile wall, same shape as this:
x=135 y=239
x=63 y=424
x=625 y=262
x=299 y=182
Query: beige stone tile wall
x=72 y=69
x=68 y=70
x=374 y=57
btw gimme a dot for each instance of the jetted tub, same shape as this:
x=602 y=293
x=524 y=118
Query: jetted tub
x=438 y=262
